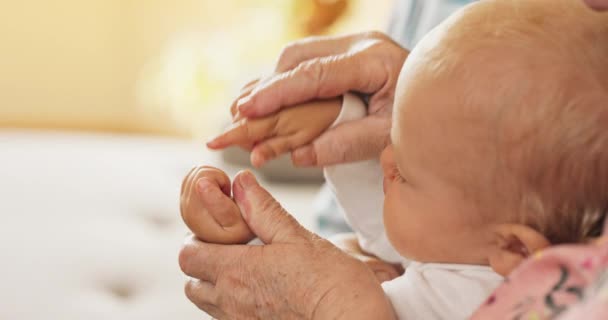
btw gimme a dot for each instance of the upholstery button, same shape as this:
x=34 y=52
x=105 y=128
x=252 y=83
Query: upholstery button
x=159 y=220
x=121 y=291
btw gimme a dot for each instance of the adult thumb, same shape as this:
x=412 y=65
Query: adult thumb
x=349 y=142
x=263 y=214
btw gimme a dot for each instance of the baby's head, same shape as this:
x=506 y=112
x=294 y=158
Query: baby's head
x=500 y=135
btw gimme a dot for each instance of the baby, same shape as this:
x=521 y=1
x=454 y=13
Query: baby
x=499 y=149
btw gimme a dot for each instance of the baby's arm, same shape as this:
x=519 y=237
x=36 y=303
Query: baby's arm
x=282 y=132
x=209 y=211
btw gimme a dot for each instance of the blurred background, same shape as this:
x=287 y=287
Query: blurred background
x=104 y=105
x=151 y=66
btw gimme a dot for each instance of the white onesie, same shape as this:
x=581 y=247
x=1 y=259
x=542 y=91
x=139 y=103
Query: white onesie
x=425 y=291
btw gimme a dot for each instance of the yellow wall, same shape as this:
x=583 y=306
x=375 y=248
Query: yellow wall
x=75 y=64
x=82 y=64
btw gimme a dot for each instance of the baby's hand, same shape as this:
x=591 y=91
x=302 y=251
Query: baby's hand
x=282 y=132
x=384 y=271
x=209 y=211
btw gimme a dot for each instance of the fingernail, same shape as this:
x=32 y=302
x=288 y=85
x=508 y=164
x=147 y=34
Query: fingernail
x=256 y=159
x=247 y=179
x=214 y=142
x=203 y=185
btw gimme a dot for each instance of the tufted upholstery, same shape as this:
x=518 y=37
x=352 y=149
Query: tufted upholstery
x=90 y=229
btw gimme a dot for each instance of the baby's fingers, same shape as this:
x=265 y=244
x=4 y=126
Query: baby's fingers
x=219 y=205
x=272 y=148
x=245 y=132
x=228 y=226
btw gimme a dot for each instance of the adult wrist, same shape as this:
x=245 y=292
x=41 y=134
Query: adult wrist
x=362 y=298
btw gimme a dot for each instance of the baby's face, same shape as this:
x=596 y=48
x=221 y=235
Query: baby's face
x=437 y=171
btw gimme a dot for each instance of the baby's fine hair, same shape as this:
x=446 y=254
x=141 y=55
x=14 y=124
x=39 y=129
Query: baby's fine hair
x=550 y=86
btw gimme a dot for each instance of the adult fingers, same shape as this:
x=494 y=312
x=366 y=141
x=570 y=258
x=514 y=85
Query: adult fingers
x=204 y=296
x=205 y=261
x=245 y=91
x=312 y=47
x=349 y=142
x=264 y=215
x=244 y=132
x=597 y=4
x=317 y=78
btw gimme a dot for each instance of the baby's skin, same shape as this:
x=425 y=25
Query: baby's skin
x=280 y=133
x=207 y=206
x=208 y=209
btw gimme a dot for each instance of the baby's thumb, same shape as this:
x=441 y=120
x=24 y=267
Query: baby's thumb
x=264 y=215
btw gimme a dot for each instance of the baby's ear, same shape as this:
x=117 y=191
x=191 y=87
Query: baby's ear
x=513 y=244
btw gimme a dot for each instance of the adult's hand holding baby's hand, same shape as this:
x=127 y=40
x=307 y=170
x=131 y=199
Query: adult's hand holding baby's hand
x=295 y=275
x=279 y=133
x=208 y=210
x=325 y=67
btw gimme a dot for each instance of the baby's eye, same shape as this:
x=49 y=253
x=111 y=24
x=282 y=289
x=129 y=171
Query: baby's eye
x=396 y=175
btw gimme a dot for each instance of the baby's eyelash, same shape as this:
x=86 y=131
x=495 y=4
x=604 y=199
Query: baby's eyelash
x=397 y=175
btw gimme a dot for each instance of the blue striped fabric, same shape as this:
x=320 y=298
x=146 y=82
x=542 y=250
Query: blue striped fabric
x=412 y=19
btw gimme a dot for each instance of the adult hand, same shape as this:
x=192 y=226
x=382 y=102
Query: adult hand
x=326 y=67
x=295 y=275
x=597 y=4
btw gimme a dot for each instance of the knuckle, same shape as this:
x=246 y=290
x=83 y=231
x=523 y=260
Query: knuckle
x=186 y=255
x=281 y=147
x=268 y=151
x=288 y=55
x=198 y=173
x=270 y=205
x=275 y=149
x=312 y=70
x=247 y=128
x=330 y=151
x=189 y=290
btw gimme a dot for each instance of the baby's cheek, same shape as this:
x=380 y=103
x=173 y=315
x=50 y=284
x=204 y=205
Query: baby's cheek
x=397 y=226
x=391 y=219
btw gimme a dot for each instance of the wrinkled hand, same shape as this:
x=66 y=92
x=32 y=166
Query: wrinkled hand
x=208 y=210
x=597 y=4
x=296 y=275
x=325 y=67
x=279 y=133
